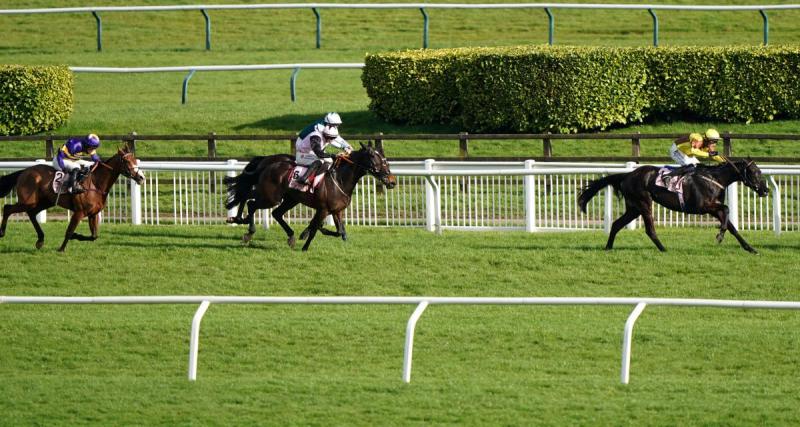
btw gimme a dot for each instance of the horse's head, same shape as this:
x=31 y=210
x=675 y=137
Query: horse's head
x=751 y=176
x=129 y=166
x=375 y=164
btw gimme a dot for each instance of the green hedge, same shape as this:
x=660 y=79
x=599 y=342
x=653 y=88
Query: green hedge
x=34 y=98
x=569 y=89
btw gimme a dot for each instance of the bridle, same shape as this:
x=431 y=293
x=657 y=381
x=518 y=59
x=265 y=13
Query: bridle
x=742 y=173
x=370 y=169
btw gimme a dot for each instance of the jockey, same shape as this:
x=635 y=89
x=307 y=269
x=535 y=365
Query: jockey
x=311 y=143
x=330 y=119
x=69 y=158
x=689 y=150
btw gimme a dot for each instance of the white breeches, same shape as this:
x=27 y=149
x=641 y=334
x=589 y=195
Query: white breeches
x=305 y=159
x=680 y=158
x=69 y=165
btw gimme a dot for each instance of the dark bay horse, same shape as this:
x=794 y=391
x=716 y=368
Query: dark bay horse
x=704 y=192
x=35 y=194
x=266 y=185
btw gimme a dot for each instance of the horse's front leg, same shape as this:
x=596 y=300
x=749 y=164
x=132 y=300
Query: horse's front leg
x=278 y=212
x=746 y=246
x=316 y=222
x=73 y=224
x=337 y=220
x=722 y=213
x=94 y=220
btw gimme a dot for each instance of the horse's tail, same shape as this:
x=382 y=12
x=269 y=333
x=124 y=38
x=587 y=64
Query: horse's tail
x=593 y=187
x=8 y=182
x=238 y=189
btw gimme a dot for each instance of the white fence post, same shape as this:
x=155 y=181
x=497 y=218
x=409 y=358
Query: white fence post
x=431 y=207
x=631 y=225
x=41 y=216
x=733 y=204
x=136 y=201
x=409 y=347
x=529 y=182
x=232 y=173
x=608 y=210
x=776 y=206
x=627 y=337
x=194 y=339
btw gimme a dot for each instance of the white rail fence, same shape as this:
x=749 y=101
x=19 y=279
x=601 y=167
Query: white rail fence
x=531 y=196
x=421 y=304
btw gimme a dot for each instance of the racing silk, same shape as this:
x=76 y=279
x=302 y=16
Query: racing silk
x=73 y=150
x=310 y=145
x=685 y=154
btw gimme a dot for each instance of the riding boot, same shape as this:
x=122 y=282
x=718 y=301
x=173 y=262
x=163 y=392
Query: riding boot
x=75 y=182
x=303 y=179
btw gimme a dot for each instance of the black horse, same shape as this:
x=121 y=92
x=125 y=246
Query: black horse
x=704 y=192
x=265 y=183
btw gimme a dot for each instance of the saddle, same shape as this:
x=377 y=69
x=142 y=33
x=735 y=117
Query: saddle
x=62 y=183
x=314 y=179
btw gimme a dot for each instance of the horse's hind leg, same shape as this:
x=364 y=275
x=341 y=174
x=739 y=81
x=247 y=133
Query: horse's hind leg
x=622 y=221
x=650 y=229
x=39 y=233
x=9 y=210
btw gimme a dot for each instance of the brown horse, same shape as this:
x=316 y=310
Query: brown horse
x=35 y=194
x=267 y=185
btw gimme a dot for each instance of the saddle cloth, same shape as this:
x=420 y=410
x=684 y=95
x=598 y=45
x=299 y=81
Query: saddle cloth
x=673 y=184
x=58 y=182
x=304 y=188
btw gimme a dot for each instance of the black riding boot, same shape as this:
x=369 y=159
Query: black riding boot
x=75 y=181
x=303 y=179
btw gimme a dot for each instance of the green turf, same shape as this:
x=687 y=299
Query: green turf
x=257 y=102
x=323 y=365
x=334 y=365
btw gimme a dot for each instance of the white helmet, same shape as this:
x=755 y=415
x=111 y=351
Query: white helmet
x=333 y=119
x=330 y=132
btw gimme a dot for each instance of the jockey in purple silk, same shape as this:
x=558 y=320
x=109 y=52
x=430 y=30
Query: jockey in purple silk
x=70 y=158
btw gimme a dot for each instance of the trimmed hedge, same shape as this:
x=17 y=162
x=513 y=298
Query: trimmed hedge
x=568 y=89
x=34 y=99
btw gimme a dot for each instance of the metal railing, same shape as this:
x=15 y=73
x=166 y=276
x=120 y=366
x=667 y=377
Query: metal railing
x=530 y=196
x=421 y=304
x=422 y=7
x=191 y=69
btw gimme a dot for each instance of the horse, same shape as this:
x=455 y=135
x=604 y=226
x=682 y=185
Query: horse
x=35 y=194
x=266 y=185
x=704 y=192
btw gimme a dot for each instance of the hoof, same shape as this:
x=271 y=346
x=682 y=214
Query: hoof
x=344 y=237
x=304 y=234
x=61 y=250
x=291 y=241
x=40 y=243
x=246 y=238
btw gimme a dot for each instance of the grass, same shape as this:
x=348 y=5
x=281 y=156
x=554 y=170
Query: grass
x=258 y=102
x=341 y=365
x=474 y=365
